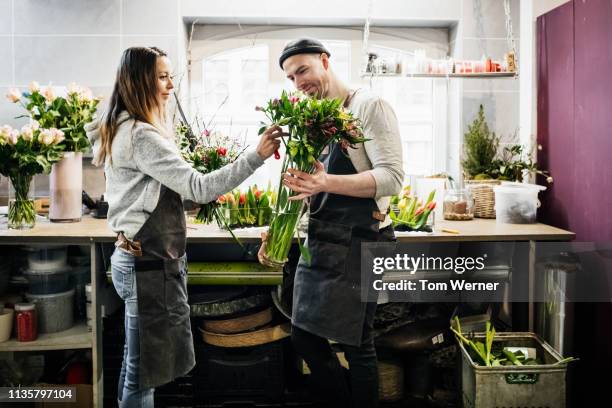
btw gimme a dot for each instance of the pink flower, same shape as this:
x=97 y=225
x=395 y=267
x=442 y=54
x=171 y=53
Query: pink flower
x=35 y=125
x=47 y=137
x=73 y=88
x=13 y=137
x=294 y=99
x=5 y=134
x=13 y=95
x=259 y=109
x=49 y=93
x=58 y=136
x=206 y=133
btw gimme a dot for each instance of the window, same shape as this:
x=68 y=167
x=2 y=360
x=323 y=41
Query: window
x=243 y=73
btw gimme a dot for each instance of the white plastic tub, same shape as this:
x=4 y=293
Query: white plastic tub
x=517 y=203
x=6 y=324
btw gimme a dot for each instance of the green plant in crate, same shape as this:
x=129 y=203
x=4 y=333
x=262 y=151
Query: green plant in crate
x=411 y=214
x=491 y=355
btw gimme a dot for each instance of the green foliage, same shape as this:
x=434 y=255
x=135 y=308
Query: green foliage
x=480 y=147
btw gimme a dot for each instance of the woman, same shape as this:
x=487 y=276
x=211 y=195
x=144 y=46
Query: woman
x=146 y=180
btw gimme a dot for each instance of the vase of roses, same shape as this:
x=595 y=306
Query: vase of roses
x=69 y=113
x=313 y=124
x=23 y=154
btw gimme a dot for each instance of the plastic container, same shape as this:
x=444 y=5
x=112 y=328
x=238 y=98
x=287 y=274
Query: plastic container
x=55 y=312
x=517 y=203
x=6 y=324
x=47 y=257
x=43 y=282
x=458 y=205
x=540 y=385
x=26 y=322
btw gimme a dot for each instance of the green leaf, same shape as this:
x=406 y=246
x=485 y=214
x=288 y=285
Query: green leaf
x=305 y=254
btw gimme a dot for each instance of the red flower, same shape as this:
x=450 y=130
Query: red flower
x=431 y=205
x=242 y=198
x=221 y=199
x=221 y=151
x=419 y=211
x=257 y=194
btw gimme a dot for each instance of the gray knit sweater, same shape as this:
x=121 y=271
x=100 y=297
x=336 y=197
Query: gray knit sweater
x=143 y=160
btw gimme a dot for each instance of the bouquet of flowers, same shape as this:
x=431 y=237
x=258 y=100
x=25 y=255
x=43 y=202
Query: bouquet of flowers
x=247 y=209
x=207 y=152
x=313 y=124
x=23 y=154
x=69 y=113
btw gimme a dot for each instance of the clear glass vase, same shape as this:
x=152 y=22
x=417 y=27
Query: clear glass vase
x=21 y=211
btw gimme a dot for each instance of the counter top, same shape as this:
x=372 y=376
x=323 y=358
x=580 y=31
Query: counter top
x=97 y=230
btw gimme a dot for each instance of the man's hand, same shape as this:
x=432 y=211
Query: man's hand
x=262 y=248
x=306 y=184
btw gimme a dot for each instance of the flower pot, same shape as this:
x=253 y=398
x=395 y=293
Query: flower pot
x=65 y=188
x=21 y=213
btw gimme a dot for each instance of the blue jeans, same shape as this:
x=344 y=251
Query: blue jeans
x=124 y=278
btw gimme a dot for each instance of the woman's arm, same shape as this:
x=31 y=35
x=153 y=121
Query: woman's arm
x=159 y=158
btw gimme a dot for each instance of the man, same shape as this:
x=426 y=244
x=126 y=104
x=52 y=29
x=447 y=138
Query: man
x=349 y=200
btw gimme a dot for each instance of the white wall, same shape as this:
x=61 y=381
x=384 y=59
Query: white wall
x=544 y=6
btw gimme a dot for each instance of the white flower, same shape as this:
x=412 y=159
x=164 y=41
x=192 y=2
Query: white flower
x=549 y=179
x=13 y=95
x=86 y=95
x=58 y=136
x=73 y=88
x=49 y=94
x=5 y=131
x=13 y=137
x=27 y=133
x=34 y=87
x=34 y=124
x=46 y=137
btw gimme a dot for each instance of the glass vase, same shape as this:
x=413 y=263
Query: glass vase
x=21 y=211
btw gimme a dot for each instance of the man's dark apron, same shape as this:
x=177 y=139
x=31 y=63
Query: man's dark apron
x=327 y=293
x=166 y=343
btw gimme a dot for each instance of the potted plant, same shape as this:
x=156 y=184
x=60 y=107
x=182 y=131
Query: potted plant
x=70 y=114
x=23 y=154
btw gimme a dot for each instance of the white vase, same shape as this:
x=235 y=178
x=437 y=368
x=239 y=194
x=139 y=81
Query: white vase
x=65 y=188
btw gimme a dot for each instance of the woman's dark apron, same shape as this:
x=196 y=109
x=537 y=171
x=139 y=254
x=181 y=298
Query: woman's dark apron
x=166 y=343
x=327 y=293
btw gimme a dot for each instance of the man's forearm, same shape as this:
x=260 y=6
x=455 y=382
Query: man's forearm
x=352 y=185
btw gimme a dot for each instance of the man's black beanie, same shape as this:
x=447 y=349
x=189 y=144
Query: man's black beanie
x=302 y=46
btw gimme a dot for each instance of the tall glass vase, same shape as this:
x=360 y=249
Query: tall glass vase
x=21 y=212
x=65 y=188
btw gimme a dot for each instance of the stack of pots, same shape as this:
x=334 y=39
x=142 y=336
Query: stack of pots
x=50 y=290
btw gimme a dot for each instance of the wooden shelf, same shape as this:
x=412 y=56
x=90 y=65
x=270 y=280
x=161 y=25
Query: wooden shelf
x=77 y=337
x=481 y=75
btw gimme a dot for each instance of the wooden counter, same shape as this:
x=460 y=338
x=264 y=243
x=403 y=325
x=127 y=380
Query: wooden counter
x=95 y=230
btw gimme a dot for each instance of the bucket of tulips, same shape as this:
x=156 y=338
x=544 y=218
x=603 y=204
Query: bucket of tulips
x=252 y=208
x=408 y=213
x=312 y=124
x=23 y=154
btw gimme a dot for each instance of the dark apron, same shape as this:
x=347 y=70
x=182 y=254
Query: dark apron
x=327 y=293
x=166 y=343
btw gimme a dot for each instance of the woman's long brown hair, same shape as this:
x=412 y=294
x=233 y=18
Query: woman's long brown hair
x=135 y=92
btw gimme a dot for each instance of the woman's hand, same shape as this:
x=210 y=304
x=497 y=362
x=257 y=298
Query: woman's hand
x=269 y=141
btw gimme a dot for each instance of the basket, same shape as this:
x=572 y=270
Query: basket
x=514 y=386
x=249 y=339
x=239 y=324
x=484 y=197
